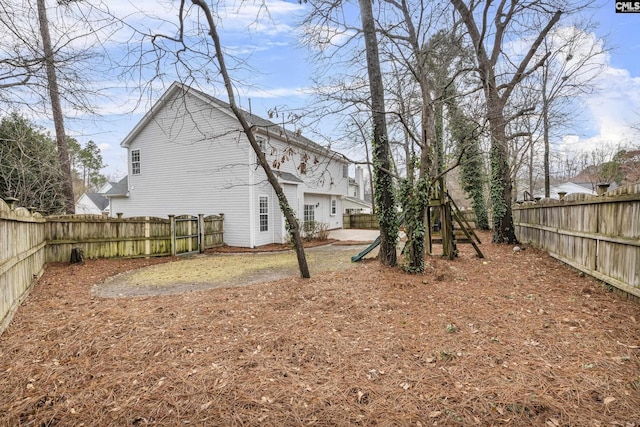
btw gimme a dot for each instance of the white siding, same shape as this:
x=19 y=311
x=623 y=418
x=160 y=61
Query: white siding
x=85 y=205
x=191 y=163
x=194 y=159
x=322 y=203
x=322 y=179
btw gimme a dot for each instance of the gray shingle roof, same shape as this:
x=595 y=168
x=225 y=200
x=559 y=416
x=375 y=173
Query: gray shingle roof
x=99 y=200
x=121 y=188
x=286 y=176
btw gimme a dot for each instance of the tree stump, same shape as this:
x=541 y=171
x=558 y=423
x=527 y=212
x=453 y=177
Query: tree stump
x=77 y=256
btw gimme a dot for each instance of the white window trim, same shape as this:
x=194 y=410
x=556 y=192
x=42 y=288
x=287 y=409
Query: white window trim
x=306 y=210
x=139 y=162
x=266 y=213
x=334 y=206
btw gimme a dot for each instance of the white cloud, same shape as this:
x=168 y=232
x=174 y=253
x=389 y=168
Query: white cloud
x=609 y=112
x=277 y=92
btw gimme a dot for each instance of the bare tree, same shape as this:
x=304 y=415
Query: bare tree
x=381 y=152
x=201 y=54
x=569 y=70
x=490 y=27
x=56 y=108
x=46 y=67
x=406 y=45
x=294 y=227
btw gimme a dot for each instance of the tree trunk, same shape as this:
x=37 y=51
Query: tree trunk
x=531 y=158
x=496 y=97
x=56 y=109
x=381 y=151
x=501 y=185
x=292 y=222
x=545 y=126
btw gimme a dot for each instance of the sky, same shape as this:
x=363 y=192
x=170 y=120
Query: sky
x=280 y=77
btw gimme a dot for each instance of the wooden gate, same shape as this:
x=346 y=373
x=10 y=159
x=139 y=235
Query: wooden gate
x=186 y=234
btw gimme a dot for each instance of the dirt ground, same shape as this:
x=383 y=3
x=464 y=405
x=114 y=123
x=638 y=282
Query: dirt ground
x=514 y=339
x=226 y=267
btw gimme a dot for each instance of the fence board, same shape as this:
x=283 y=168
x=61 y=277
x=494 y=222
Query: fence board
x=21 y=258
x=599 y=235
x=101 y=237
x=30 y=241
x=213 y=231
x=365 y=221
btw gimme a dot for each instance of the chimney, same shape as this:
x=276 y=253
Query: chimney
x=360 y=182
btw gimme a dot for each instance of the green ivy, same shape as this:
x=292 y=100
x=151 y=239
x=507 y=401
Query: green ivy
x=473 y=177
x=496 y=192
x=383 y=182
x=414 y=198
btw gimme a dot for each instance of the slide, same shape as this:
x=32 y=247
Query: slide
x=368 y=249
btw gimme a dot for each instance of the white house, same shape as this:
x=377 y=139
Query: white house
x=572 y=188
x=354 y=201
x=94 y=203
x=189 y=155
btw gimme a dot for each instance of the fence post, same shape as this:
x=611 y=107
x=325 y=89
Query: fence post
x=172 y=234
x=147 y=235
x=201 y=235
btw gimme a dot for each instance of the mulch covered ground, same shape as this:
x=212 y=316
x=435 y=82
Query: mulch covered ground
x=514 y=339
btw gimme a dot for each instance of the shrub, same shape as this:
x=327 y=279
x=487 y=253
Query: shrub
x=313 y=230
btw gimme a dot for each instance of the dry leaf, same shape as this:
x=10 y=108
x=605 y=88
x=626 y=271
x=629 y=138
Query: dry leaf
x=552 y=422
x=435 y=414
x=608 y=400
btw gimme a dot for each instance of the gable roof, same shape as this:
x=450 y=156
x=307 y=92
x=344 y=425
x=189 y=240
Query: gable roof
x=566 y=187
x=357 y=201
x=121 y=188
x=263 y=125
x=286 y=176
x=99 y=200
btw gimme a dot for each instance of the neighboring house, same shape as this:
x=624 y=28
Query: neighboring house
x=568 y=188
x=189 y=155
x=94 y=203
x=119 y=189
x=356 y=206
x=354 y=202
x=356 y=185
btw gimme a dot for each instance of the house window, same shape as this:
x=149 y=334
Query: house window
x=264 y=213
x=334 y=206
x=309 y=214
x=345 y=171
x=135 y=162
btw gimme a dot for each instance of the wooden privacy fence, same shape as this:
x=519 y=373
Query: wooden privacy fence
x=101 y=237
x=29 y=241
x=22 y=257
x=360 y=221
x=599 y=235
